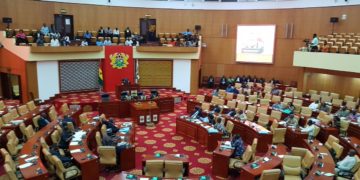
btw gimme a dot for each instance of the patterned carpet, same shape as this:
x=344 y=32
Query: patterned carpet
x=162 y=138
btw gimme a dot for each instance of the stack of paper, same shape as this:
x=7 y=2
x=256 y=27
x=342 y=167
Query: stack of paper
x=75 y=151
x=25 y=165
x=74 y=143
x=31 y=159
x=78 y=136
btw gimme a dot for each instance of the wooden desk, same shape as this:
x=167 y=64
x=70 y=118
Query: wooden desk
x=354 y=130
x=27 y=118
x=144 y=112
x=329 y=164
x=249 y=130
x=325 y=132
x=32 y=147
x=87 y=161
x=165 y=157
x=123 y=176
x=127 y=156
x=294 y=137
x=198 y=133
x=220 y=162
x=121 y=109
x=275 y=161
x=350 y=143
x=128 y=88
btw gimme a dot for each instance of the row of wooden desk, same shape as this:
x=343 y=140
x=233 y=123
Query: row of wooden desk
x=197 y=132
x=32 y=147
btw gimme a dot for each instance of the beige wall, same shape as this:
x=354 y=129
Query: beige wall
x=218 y=57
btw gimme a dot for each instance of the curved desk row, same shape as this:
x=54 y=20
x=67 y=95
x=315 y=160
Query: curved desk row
x=32 y=147
x=86 y=160
x=328 y=164
x=26 y=118
x=198 y=132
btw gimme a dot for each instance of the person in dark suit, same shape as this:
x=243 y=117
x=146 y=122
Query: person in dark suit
x=54 y=150
x=238 y=145
x=68 y=119
x=65 y=138
x=197 y=113
x=43 y=121
x=127 y=33
x=111 y=125
x=211 y=81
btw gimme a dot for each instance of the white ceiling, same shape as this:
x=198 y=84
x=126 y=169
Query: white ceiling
x=217 y=4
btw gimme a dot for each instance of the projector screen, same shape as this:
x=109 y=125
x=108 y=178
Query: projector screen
x=255 y=43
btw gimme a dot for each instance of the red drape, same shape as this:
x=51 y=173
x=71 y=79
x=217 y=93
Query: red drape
x=117 y=65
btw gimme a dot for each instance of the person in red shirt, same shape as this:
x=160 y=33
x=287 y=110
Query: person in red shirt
x=21 y=37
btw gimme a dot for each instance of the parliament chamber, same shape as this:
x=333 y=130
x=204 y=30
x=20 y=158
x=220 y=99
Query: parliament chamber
x=180 y=89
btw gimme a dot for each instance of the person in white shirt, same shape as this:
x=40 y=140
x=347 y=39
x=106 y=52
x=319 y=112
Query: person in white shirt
x=309 y=129
x=314 y=105
x=84 y=43
x=241 y=115
x=128 y=42
x=54 y=42
x=116 y=32
x=107 y=42
x=65 y=40
x=345 y=166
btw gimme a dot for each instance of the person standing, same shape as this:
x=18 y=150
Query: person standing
x=314 y=43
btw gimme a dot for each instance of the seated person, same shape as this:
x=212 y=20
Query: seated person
x=65 y=40
x=87 y=36
x=107 y=42
x=215 y=92
x=99 y=42
x=68 y=119
x=314 y=105
x=275 y=91
x=277 y=106
x=211 y=81
x=204 y=118
x=128 y=42
x=101 y=32
x=342 y=112
x=216 y=109
x=238 y=145
x=54 y=42
x=289 y=108
x=344 y=167
x=21 y=37
x=65 y=138
x=124 y=96
x=235 y=91
x=324 y=107
x=197 y=113
x=353 y=116
x=43 y=121
x=220 y=127
x=309 y=129
x=223 y=81
x=116 y=32
x=230 y=80
x=84 y=43
x=241 y=115
x=291 y=121
x=237 y=79
x=125 y=81
x=110 y=126
x=108 y=141
x=54 y=150
x=40 y=40
x=154 y=94
x=229 y=89
x=45 y=30
x=231 y=113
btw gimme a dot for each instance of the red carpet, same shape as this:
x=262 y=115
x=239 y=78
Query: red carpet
x=162 y=138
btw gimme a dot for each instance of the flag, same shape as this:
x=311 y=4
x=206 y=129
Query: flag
x=101 y=78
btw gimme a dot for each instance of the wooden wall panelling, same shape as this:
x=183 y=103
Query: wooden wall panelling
x=155 y=73
x=194 y=81
x=31 y=76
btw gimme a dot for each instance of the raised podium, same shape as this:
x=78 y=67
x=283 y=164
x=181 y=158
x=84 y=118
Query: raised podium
x=129 y=88
x=145 y=112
